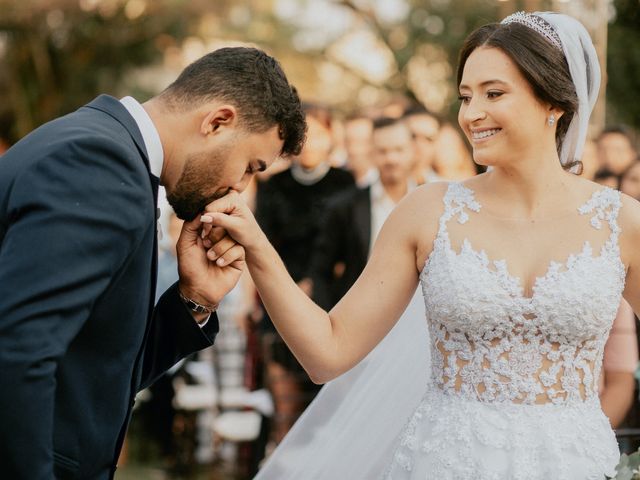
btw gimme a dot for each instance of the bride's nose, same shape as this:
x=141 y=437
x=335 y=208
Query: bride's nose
x=474 y=111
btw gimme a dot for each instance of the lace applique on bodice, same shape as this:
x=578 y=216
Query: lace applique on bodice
x=492 y=343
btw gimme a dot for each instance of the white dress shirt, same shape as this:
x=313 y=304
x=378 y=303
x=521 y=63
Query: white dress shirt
x=381 y=207
x=149 y=133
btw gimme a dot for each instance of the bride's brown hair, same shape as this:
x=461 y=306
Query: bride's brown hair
x=542 y=64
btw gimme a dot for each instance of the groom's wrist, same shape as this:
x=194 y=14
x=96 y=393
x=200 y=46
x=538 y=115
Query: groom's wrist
x=199 y=307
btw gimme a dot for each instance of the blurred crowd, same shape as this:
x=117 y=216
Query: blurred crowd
x=322 y=211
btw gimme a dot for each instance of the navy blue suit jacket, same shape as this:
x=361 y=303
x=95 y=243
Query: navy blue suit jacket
x=79 y=335
x=344 y=238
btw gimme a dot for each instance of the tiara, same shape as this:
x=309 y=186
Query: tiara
x=536 y=23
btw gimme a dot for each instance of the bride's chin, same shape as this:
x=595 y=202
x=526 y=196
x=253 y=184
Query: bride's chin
x=483 y=161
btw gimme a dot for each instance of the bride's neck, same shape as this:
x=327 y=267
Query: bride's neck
x=530 y=188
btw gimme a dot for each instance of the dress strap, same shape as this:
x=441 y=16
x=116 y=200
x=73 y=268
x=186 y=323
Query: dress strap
x=604 y=206
x=456 y=200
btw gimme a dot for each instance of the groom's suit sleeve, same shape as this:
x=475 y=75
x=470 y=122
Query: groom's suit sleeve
x=328 y=250
x=173 y=335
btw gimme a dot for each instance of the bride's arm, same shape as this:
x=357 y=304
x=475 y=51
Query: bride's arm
x=629 y=222
x=328 y=344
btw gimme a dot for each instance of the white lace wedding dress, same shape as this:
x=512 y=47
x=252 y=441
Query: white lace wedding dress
x=513 y=393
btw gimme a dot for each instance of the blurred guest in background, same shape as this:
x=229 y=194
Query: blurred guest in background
x=617 y=381
x=358 y=129
x=616 y=149
x=354 y=218
x=289 y=207
x=590 y=160
x=606 y=177
x=453 y=160
x=424 y=127
x=167 y=255
x=630 y=181
x=4 y=145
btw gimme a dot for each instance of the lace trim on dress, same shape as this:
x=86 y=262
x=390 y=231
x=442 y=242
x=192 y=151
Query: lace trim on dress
x=491 y=343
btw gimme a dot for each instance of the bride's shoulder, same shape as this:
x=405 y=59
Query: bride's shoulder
x=428 y=201
x=419 y=214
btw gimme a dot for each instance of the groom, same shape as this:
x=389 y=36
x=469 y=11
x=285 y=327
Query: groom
x=79 y=334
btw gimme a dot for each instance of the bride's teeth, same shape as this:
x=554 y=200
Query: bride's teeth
x=485 y=134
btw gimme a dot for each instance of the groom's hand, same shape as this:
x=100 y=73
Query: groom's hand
x=207 y=278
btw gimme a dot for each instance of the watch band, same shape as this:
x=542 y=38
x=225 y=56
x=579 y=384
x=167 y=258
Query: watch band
x=195 y=306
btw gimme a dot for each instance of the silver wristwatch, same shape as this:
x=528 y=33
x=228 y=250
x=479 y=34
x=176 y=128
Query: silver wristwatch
x=195 y=306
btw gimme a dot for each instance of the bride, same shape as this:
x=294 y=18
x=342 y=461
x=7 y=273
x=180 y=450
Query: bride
x=521 y=269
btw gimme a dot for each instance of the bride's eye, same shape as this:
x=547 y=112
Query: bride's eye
x=494 y=94
x=464 y=99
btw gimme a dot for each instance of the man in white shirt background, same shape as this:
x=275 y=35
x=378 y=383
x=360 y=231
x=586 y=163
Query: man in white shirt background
x=354 y=219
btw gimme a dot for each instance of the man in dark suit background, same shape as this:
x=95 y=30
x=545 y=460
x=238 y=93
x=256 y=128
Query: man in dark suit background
x=79 y=334
x=354 y=219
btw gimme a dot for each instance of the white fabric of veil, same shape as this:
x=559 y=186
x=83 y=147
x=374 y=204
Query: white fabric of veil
x=350 y=429
x=585 y=72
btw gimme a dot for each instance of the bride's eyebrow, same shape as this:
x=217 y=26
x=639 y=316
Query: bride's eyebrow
x=486 y=83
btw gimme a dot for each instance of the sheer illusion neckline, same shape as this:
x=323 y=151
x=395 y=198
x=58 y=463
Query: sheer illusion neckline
x=499 y=268
x=518 y=288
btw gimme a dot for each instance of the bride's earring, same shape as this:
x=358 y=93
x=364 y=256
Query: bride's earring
x=552 y=120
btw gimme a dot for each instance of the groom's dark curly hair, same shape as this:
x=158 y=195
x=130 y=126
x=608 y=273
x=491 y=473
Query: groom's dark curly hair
x=253 y=82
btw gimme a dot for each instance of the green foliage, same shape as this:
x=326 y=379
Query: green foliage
x=57 y=59
x=629 y=467
x=623 y=64
x=59 y=54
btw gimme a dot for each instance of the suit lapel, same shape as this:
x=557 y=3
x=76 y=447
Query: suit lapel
x=112 y=107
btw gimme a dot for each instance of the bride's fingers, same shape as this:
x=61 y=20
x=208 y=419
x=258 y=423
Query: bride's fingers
x=232 y=256
x=206 y=230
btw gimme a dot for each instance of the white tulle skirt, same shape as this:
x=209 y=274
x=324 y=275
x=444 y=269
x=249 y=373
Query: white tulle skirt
x=351 y=429
x=449 y=437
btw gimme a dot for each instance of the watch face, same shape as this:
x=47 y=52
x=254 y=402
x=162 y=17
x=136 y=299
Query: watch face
x=199 y=308
x=194 y=306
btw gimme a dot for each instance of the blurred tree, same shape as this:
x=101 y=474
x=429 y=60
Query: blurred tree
x=56 y=55
x=363 y=53
x=623 y=64
x=425 y=44
x=430 y=34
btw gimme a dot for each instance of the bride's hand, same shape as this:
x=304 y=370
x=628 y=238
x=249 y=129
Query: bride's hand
x=233 y=215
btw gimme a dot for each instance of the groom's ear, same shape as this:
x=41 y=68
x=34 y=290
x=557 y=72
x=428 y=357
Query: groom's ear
x=218 y=117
